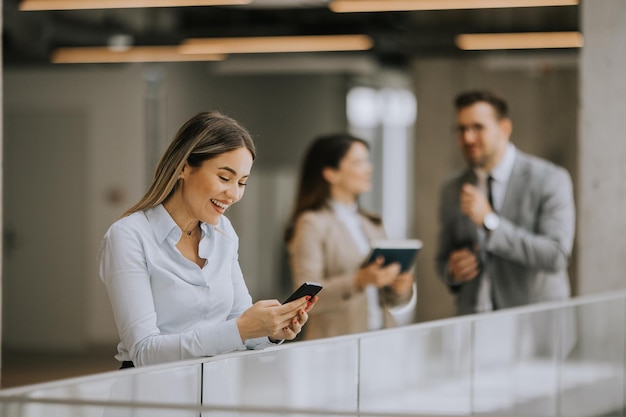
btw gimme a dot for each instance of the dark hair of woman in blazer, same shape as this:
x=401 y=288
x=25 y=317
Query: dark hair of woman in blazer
x=327 y=151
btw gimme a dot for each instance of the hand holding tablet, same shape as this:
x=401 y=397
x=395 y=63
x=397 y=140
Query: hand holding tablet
x=403 y=251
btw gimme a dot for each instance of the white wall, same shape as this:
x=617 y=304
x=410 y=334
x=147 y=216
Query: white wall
x=111 y=99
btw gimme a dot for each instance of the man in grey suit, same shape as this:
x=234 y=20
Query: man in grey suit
x=507 y=221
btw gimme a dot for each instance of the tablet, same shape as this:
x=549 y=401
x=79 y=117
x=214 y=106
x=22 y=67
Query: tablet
x=403 y=251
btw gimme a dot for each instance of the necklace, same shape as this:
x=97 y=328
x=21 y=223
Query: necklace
x=189 y=233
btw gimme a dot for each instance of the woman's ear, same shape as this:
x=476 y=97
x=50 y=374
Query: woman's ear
x=330 y=175
x=185 y=171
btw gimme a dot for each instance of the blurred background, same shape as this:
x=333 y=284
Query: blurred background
x=82 y=133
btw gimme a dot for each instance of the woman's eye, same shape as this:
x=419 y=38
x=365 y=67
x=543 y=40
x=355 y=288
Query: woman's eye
x=243 y=184
x=224 y=178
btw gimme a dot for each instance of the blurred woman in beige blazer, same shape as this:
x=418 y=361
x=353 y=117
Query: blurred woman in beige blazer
x=329 y=237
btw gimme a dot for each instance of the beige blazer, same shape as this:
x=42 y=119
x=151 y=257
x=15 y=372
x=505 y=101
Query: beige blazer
x=323 y=251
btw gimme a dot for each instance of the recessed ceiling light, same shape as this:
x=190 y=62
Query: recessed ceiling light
x=274 y=44
x=344 y=6
x=104 y=54
x=29 y=5
x=530 y=40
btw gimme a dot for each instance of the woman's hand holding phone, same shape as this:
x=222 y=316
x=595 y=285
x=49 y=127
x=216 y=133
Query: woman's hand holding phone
x=279 y=321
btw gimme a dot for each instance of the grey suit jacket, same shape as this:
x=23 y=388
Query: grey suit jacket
x=527 y=256
x=322 y=250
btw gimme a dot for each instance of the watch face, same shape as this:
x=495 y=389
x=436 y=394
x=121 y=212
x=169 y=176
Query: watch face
x=491 y=221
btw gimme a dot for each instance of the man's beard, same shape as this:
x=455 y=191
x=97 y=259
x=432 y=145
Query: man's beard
x=477 y=163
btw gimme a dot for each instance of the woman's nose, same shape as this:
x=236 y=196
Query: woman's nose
x=234 y=192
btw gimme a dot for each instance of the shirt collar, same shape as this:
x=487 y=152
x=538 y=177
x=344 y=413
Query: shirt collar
x=501 y=172
x=343 y=209
x=163 y=224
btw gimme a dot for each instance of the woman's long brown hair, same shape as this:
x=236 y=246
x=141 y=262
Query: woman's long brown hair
x=314 y=191
x=205 y=136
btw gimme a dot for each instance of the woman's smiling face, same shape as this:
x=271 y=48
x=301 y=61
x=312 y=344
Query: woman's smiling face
x=354 y=175
x=217 y=184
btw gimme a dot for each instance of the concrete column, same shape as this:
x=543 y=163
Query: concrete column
x=601 y=247
x=1 y=173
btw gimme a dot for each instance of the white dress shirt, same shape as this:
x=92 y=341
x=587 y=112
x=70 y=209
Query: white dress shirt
x=500 y=175
x=349 y=216
x=165 y=306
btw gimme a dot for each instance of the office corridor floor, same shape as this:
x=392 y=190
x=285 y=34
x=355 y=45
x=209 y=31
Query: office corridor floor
x=24 y=368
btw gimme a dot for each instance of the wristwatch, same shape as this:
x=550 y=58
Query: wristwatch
x=491 y=221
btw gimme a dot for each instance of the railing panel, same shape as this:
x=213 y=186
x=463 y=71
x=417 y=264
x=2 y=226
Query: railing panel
x=418 y=370
x=302 y=376
x=592 y=375
x=515 y=364
x=174 y=386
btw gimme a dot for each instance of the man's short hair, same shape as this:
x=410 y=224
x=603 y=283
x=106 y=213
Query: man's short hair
x=469 y=98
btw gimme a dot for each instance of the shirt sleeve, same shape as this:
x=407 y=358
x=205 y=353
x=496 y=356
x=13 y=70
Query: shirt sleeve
x=549 y=244
x=242 y=302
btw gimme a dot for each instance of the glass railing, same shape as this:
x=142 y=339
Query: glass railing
x=550 y=360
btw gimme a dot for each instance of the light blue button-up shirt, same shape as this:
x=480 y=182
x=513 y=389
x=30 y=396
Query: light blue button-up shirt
x=166 y=307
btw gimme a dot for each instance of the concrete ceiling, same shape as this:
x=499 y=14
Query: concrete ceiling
x=29 y=37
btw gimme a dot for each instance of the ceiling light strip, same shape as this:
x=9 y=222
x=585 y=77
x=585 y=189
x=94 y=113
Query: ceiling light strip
x=346 y=6
x=272 y=44
x=530 y=40
x=30 y=5
x=99 y=55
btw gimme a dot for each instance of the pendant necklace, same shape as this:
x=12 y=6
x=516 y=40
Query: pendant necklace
x=189 y=233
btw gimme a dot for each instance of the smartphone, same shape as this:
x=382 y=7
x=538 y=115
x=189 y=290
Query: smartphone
x=308 y=288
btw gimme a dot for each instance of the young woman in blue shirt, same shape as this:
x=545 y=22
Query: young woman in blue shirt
x=170 y=263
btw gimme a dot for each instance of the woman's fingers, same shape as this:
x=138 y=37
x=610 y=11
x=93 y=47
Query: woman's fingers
x=311 y=303
x=270 y=318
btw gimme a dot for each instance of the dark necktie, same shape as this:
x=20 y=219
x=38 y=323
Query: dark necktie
x=489 y=192
x=494 y=305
